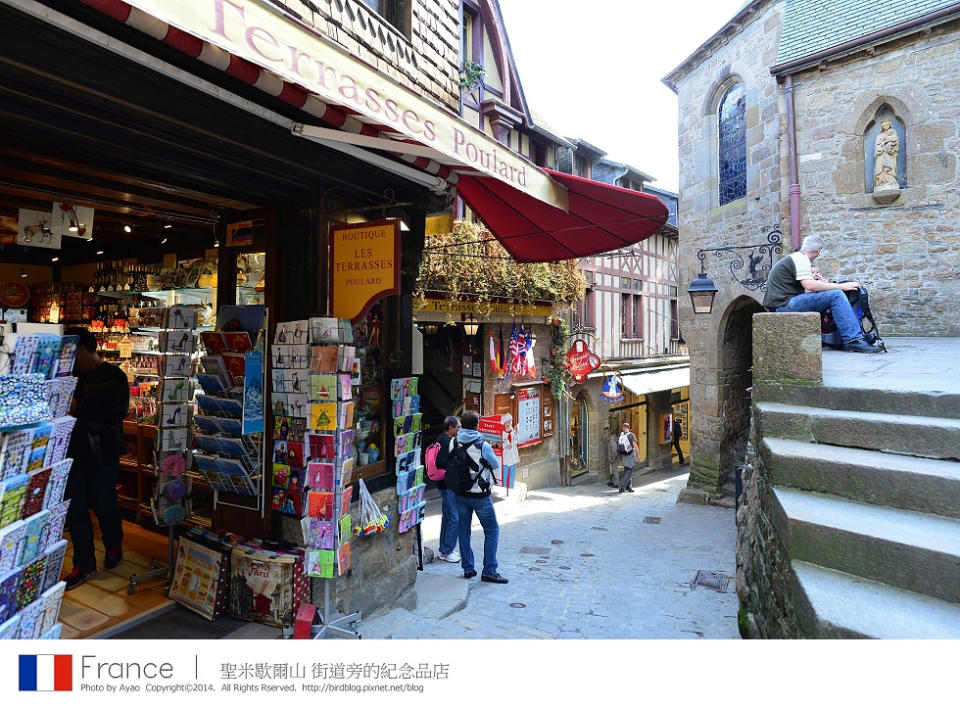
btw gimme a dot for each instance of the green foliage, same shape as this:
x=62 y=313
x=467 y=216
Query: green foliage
x=557 y=374
x=469 y=264
x=471 y=74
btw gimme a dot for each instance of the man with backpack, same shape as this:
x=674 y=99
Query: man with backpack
x=449 y=528
x=470 y=466
x=792 y=288
x=629 y=453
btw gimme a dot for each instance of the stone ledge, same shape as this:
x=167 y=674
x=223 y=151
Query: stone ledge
x=787 y=347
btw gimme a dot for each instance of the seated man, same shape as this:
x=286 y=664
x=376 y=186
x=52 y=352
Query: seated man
x=790 y=277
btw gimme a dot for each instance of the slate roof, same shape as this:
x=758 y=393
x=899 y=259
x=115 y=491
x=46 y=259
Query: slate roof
x=810 y=26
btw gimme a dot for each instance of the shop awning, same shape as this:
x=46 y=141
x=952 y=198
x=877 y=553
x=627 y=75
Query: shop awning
x=599 y=217
x=657 y=380
x=538 y=215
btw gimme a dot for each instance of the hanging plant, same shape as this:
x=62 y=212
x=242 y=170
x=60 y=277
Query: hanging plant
x=471 y=74
x=557 y=374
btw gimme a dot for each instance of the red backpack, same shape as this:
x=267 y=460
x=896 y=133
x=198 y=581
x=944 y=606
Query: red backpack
x=430 y=461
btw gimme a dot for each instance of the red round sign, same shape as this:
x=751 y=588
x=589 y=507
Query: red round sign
x=14 y=294
x=580 y=361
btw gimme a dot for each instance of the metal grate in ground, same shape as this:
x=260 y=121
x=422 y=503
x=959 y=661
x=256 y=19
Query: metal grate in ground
x=711 y=579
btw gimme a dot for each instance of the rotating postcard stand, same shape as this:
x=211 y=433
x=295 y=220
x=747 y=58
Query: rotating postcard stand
x=315 y=370
x=171 y=456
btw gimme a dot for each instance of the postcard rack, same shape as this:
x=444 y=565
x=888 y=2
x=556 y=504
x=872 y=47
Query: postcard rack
x=230 y=421
x=176 y=344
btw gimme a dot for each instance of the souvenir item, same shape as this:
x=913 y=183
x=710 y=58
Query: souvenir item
x=56 y=521
x=264 y=586
x=55 y=555
x=201 y=577
x=23 y=400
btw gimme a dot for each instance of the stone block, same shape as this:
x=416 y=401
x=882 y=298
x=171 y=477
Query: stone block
x=786 y=346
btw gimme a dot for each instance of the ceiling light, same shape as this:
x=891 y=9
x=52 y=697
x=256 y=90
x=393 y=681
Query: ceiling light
x=127 y=228
x=216 y=244
x=163 y=240
x=55 y=259
x=89 y=238
x=23 y=273
x=74 y=228
x=99 y=252
x=168 y=226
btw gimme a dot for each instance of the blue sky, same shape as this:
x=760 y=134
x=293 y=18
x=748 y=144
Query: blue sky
x=596 y=75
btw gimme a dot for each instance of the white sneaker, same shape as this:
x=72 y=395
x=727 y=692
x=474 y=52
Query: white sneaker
x=453 y=557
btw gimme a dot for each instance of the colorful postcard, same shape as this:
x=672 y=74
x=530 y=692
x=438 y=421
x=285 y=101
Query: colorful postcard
x=319 y=534
x=174 y=414
x=324 y=359
x=68 y=354
x=324 y=330
x=175 y=391
x=320 y=476
x=287 y=502
x=289 y=404
x=344 y=387
x=323 y=387
x=213 y=342
x=320 y=563
x=294 y=332
x=345 y=444
x=320 y=504
x=289 y=428
x=343 y=558
x=235 y=363
x=320 y=445
x=345 y=411
x=323 y=417
x=237 y=341
x=345 y=496
x=253 y=415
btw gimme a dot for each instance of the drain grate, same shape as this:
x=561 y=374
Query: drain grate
x=651 y=520
x=711 y=579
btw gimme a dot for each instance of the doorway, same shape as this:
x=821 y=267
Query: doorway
x=579 y=422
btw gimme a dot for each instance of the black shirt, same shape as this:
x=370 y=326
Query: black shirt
x=102 y=401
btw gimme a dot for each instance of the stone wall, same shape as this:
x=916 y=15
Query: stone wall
x=423 y=54
x=704 y=223
x=906 y=252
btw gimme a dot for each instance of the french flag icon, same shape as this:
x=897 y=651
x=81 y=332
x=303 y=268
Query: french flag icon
x=46 y=673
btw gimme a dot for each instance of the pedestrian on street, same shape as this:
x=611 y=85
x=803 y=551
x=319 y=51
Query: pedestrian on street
x=101 y=402
x=629 y=454
x=449 y=526
x=677 y=435
x=613 y=457
x=474 y=461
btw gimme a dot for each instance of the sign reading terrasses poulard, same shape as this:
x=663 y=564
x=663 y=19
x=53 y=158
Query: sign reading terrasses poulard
x=304 y=57
x=364 y=266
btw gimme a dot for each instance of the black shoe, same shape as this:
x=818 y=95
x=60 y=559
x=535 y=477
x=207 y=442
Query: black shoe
x=860 y=345
x=619 y=492
x=469 y=574
x=78 y=577
x=112 y=558
x=610 y=485
x=496 y=578
x=629 y=489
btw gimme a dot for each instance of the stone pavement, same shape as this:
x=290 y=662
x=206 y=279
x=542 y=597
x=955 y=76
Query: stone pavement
x=582 y=563
x=909 y=364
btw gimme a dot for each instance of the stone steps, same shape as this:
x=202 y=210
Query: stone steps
x=924 y=436
x=908 y=403
x=910 y=550
x=899 y=481
x=851 y=607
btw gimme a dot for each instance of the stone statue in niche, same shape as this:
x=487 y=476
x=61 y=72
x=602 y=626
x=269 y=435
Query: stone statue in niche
x=886 y=148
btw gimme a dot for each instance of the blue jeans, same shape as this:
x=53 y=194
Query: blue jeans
x=483 y=507
x=833 y=300
x=449 y=527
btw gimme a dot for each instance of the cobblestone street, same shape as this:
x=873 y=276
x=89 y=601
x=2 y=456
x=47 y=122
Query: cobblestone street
x=585 y=562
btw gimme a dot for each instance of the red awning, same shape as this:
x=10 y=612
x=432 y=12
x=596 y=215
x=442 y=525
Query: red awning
x=601 y=217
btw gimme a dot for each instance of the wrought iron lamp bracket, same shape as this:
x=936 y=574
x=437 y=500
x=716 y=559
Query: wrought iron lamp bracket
x=750 y=263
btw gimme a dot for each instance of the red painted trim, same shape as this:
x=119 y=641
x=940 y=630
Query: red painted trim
x=243 y=70
x=184 y=41
x=63 y=673
x=117 y=9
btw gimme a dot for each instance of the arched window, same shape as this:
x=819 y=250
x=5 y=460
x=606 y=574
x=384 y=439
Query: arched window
x=733 y=145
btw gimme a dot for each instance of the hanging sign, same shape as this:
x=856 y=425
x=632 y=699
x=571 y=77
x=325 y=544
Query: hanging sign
x=69 y=219
x=240 y=234
x=580 y=361
x=14 y=294
x=364 y=266
x=611 y=390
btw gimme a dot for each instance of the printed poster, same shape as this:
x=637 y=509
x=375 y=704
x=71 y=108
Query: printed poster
x=253 y=393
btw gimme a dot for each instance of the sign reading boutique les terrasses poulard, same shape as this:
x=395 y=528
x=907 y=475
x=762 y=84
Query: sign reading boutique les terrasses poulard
x=302 y=56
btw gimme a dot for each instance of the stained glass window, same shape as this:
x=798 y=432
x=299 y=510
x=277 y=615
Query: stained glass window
x=733 y=145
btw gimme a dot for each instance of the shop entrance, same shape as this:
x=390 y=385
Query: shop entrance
x=579 y=426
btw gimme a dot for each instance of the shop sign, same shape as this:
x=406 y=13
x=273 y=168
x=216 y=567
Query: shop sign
x=612 y=391
x=580 y=361
x=490 y=429
x=299 y=54
x=438 y=305
x=528 y=417
x=240 y=233
x=35 y=228
x=14 y=294
x=364 y=266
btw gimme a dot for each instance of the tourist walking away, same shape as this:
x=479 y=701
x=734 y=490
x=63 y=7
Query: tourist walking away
x=677 y=435
x=100 y=404
x=613 y=457
x=470 y=467
x=629 y=454
x=449 y=527
x=793 y=288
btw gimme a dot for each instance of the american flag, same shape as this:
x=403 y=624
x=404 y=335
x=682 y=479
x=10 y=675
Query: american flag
x=514 y=349
x=520 y=354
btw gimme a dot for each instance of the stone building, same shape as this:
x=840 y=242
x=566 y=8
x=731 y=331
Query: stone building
x=781 y=115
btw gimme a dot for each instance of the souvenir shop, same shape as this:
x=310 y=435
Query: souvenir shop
x=194 y=239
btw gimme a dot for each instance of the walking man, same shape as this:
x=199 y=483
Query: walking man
x=677 y=435
x=474 y=462
x=100 y=404
x=613 y=457
x=449 y=527
x=629 y=454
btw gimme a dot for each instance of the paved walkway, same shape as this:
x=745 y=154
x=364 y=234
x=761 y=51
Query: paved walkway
x=909 y=364
x=583 y=562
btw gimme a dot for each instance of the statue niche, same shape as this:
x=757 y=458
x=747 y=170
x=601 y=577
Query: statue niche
x=885 y=157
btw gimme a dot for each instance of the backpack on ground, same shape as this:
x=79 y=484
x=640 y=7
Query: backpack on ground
x=860 y=303
x=465 y=471
x=430 y=463
x=624 y=445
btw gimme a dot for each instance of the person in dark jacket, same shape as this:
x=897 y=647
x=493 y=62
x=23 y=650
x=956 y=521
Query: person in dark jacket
x=677 y=435
x=477 y=500
x=449 y=531
x=101 y=401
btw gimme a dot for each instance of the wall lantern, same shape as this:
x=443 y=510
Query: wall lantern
x=702 y=292
x=430 y=328
x=470 y=325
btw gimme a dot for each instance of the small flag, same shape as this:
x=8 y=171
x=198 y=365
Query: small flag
x=46 y=673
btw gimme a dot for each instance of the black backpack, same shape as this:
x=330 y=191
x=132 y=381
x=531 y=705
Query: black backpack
x=463 y=472
x=860 y=303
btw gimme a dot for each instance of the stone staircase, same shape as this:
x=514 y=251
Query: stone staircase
x=866 y=502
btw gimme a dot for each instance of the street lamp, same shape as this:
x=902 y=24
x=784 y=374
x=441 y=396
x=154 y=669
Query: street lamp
x=702 y=292
x=470 y=325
